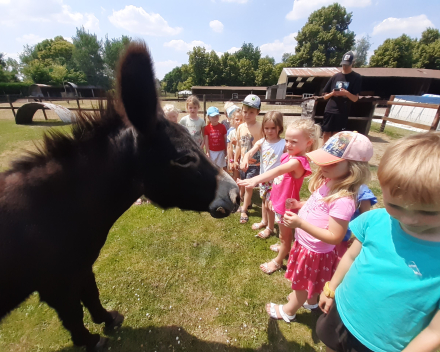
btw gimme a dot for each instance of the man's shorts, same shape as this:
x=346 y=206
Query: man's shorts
x=334 y=122
x=252 y=171
x=333 y=333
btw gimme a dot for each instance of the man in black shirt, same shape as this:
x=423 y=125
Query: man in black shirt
x=342 y=89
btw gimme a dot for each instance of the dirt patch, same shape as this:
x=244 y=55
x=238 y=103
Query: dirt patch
x=380 y=143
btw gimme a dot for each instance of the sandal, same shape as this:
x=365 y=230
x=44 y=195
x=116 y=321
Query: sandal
x=263 y=235
x=265 y=267
x=275 y=247
x=273 y=313
x=258 y=225
x=244 y=219
x=305 y=305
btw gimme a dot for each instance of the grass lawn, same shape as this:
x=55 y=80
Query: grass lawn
x=183 y=280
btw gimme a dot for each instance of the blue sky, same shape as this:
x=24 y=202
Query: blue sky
x=171 y=28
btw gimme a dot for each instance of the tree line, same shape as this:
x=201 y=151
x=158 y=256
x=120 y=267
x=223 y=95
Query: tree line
x=321 y=42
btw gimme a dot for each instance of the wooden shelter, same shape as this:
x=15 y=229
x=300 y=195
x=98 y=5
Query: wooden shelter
x=227 y=92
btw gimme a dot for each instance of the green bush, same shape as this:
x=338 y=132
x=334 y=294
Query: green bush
x=14 y=88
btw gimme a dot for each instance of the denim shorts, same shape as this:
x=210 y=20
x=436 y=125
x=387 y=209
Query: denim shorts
x=252 y=171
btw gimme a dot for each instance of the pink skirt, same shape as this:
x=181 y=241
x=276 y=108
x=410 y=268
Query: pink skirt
x=308 y=270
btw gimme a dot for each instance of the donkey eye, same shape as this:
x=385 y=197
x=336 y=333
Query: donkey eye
x=185 y=161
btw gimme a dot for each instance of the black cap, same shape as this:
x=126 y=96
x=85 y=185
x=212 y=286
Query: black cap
x=347 y=59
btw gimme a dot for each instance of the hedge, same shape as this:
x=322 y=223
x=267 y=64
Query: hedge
x=14 y=88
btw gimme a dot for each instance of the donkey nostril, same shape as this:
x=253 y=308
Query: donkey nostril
x=220 y=210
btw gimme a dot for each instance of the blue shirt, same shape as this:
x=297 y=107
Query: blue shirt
x=363 y=194
x=392 y=290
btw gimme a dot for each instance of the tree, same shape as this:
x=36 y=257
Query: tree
x=172 y=79
x=394 y=53
x=249 y=52
x=198 y=62
x=324 y=38
x=361 y=51
x=265 y=75
x=87 y=57
x=213 y=70
x=112 y=49
x=278 y=69
x=247 y=73
x=427 y=50
x=230 y=70
x=286 y=56
x=8 y=69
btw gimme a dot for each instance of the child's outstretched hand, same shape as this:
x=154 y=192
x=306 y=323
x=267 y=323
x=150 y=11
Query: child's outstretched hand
x=325 y=303
x=246 y=183
x=244 y=165
x=291 y=220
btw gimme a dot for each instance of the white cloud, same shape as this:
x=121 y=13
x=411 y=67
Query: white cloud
x=14 y=56
x=30 y=39
x=216 y=26
x=303 y=8
x=236 y=1
x=69 y=39
x=4 y=2
x=54 y=11
x=137 y=20
x=180 y=45
x=163 y=67
x=278 y=48
x=409 y=25
x=233 y=50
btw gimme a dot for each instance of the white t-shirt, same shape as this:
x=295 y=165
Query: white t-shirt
x=194 y=127
x=232 y=134
x=270 y=154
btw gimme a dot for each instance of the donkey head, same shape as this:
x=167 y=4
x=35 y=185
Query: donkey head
x=174 y=170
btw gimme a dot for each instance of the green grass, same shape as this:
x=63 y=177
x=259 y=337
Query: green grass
x=391 y=131
x=173 y=274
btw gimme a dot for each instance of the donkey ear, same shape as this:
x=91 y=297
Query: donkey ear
x=136 y=87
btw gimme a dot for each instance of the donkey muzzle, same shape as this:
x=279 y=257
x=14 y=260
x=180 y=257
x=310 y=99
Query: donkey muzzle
x=227 y=197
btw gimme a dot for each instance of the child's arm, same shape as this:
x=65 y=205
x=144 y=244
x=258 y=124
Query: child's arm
x=237 y=150
x=291 y=166
x=230 y=155
x=344 y=265
x=429 y=339
x=206 y=143
x=204 y=140
x=337 y=228
x=244 y=164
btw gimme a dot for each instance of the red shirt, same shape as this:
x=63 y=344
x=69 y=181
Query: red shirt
x=216 y=137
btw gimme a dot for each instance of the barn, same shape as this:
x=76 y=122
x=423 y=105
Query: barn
x=227 y=92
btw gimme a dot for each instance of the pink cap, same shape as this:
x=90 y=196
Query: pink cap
x=344 y=145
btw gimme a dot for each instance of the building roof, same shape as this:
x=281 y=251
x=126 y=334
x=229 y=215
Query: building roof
x=366 y=72
x=228 y=88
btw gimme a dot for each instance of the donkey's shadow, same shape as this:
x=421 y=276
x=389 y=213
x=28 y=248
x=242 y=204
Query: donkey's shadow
x=175 y=338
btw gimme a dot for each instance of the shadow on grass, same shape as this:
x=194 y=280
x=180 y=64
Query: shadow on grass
x=48 y=123
x=377 y=139
x=167 y=338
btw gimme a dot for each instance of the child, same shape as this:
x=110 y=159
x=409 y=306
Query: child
x=247 y=134
x=302 y=135
x=271 y=147
x=230 y=107
x=192 y=122
x=236 y=120
x=215 y=138
x=171 y=113
x=323 y=220
x=365 y=200
x=388 y=283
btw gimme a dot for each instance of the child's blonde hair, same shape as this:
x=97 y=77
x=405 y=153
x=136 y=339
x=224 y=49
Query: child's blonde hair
x=310 y=128
x=358 y=174
x=276 y=117
x=193 y=100
x=410 y=168
x=170 y=108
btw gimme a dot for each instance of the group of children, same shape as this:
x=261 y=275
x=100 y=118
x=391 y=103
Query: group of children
x=381 y=292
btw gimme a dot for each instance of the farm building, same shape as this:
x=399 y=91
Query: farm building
x=227 y=92
x=382 y=82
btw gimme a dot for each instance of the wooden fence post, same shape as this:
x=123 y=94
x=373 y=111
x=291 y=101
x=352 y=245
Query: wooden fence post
x=387 y=113
x=436 y=121
x=204 y=107
x=77 y=102
x=12 y=106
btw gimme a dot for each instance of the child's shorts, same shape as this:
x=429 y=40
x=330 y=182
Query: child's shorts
x=265 y=189
x=252 y=171
x=333 y=333
x=278 y=218
x=219 y=158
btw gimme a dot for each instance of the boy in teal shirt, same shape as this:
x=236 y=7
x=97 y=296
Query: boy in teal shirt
x=387 y=285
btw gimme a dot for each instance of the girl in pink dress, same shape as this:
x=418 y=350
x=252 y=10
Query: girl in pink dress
x=323 y=220
x=301 y=136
